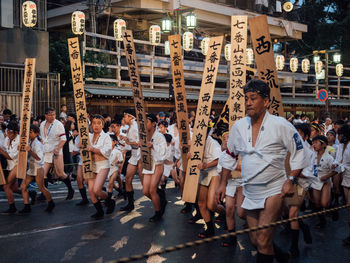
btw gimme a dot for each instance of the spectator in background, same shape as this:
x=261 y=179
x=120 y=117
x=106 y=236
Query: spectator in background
x=328 y=125
x=7 y=114
x=63 y=113
x=72 y=117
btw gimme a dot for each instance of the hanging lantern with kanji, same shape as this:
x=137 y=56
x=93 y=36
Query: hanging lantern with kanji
x=187 y=40
x=339 y=69
x=118 y=26
x=279 y=62
x=78 y=22
x=29 y=14
x=228 y=52
x=305 y=65
x=154 y=35
x=318 y=67
x=293 y=64
x=250 y=56
x=205 y=45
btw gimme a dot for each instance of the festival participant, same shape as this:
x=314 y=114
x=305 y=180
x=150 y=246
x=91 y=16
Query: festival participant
x=100 y=148
x=304 y=181
x=80 y=178
x=262 y=140
x=209 y=180
x=53 y=135
x=163 y=127
x=342 y=165
x=332 y=148
x=315 y=130
x=323 y=172
x=35 y=171
x=168 y=161
x=134 y=164
x=115 y=161
x=9 y=150
x=234 y=198
x=151 y=178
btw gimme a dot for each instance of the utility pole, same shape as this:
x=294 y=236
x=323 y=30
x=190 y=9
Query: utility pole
x=326 y=81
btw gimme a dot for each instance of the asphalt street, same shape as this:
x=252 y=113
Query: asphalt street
x=69 y=235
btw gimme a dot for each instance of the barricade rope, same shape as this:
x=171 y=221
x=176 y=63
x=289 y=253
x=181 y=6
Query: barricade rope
x=219 y=237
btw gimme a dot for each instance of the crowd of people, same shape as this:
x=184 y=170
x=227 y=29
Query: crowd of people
x=243 y=170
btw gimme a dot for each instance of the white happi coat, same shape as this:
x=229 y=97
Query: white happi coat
x=263 y=171
x=55 y=134
x=324 y=167
x=158 y=151
x=343 y=161
x=307 y=172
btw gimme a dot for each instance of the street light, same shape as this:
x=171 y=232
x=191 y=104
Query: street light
x=191 y=21
x=166 y=24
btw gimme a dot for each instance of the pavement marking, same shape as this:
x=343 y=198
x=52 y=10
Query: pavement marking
x=156 y=258
x=120 y=243
x=95 y=234
x=138 y=226
x=70 y=253
x=194 y=256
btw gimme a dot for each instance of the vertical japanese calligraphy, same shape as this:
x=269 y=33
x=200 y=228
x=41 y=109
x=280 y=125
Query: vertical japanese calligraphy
x=263 y=50
x=139 y=103
x=80 y=105
x=237 y=67
x=202 y=118
x=27 y=96
x=180 y=95
x=2 y=176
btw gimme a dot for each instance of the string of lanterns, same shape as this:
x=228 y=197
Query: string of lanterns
x=29 y=19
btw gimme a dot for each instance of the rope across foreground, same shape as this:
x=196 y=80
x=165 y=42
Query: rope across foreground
x=215 y=238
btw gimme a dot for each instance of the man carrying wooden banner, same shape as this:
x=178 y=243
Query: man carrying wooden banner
x=263 y=140
x=180 y=101
x=202 y=119
x=139 y=132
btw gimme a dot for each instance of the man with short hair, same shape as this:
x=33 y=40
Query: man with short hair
x=134 y=165
x=54 y=137
x=262 y=140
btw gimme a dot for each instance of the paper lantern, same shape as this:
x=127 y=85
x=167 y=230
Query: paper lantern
x=318 y=67
x=339 y=69
x=305 y=65
x=154 y=35
x=29 y=14
x=187 y=40
x=205 y=45
x=191 y=21
x=279 y=62
x=167 y=48
x=78 y=22
x=118 y=26
x=166 y=24
x=250 y=56
x=293 y=64
x=228 y=52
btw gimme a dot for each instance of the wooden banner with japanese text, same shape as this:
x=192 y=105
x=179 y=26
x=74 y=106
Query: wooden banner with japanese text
x=80 y=105
x=238 y=72
x=205 y=99
x=27 y=97
x=139 y=103
x=180 y=95
x=263 y=51
x=2 y=176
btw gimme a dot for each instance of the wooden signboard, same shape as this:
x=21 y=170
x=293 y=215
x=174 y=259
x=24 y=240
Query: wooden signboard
x=180 y=95
x=2 y=176
x=139 y=103
x=263 y=51
x=238 y=72
x=80 y=105
x=27 y=97
x=202 y=118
